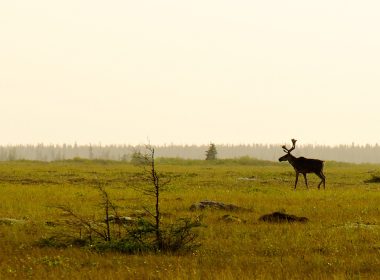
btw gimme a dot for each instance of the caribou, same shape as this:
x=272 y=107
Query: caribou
x=304 y=165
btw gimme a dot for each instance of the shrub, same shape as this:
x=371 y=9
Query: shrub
x=146 y=234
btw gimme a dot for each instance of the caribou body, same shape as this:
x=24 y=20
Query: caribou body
x=304 y=165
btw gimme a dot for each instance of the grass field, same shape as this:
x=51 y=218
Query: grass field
x=341 y=240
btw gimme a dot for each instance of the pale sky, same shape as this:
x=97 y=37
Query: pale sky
x=189 y=72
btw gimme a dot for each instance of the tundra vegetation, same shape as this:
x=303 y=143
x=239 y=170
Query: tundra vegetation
x=339 y=240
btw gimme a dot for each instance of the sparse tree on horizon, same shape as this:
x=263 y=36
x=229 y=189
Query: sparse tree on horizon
x=211 y=152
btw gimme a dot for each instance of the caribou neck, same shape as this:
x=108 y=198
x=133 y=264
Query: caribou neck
x=292 y=159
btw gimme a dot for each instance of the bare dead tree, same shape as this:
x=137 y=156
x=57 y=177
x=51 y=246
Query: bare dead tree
x=157 y=186
x=304 y=165
x=108 y=206
x=174 y=236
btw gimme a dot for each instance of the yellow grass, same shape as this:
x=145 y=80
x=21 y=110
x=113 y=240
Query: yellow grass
x=341 y=241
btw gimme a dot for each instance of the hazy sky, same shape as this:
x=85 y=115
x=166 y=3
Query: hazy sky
x=189 y=72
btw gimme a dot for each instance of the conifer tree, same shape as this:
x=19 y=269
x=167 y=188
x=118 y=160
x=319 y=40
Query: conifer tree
x=211 y=152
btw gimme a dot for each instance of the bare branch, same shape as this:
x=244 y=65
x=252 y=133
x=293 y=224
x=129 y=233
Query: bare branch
x=149 y=212
x=80 y=220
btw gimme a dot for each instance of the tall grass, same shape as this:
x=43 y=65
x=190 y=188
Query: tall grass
x=341 y=241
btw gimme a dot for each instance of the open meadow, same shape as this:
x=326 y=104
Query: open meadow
x=340 y=241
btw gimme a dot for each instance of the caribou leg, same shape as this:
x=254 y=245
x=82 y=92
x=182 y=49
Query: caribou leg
x=304 y=175
x=323 y=179
x=295 y=185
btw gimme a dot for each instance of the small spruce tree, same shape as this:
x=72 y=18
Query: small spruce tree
x=211 y=152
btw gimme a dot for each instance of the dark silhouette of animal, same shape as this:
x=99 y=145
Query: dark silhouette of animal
x=304 y=165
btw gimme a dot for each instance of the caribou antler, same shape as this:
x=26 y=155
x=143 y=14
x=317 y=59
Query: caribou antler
x=286 y=150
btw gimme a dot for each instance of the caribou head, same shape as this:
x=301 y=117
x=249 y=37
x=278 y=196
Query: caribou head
x=287 y=151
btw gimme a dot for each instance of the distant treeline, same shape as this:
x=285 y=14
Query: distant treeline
x=344 y=153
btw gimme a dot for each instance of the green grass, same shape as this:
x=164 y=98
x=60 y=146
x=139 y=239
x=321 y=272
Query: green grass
x=341 y=241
